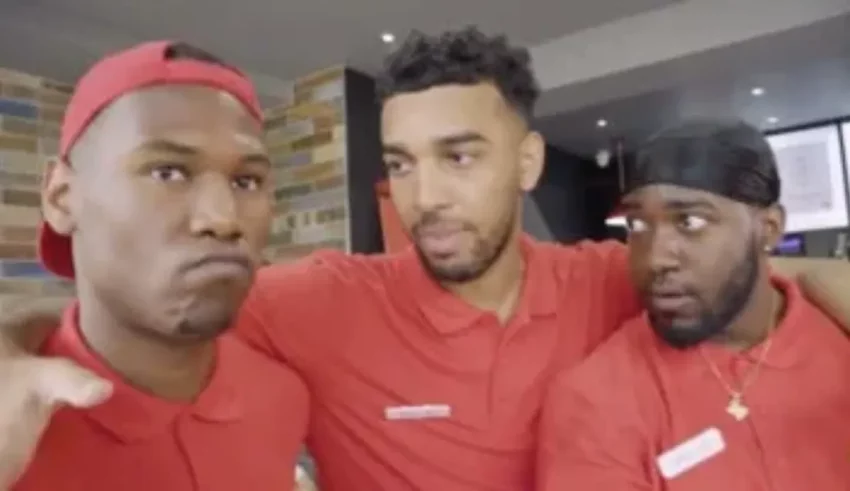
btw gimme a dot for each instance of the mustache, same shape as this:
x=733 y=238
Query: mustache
x=435 y=220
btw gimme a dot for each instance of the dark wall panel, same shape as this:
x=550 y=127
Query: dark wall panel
x=365 y=168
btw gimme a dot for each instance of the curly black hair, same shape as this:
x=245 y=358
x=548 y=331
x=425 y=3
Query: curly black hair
x=466 y=57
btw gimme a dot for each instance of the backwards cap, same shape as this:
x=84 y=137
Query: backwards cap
x=145 y=65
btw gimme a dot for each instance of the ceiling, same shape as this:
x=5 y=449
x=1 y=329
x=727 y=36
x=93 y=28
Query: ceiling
x=805 y=75
x=273 y=40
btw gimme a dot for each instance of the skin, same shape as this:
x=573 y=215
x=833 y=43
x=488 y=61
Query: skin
x=168 y=199
x=700 y=261
x=459 y=158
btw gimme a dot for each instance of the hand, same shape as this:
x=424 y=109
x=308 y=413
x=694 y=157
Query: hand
x=31 y=389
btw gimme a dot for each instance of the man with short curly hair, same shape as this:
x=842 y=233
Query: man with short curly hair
x=427 y=368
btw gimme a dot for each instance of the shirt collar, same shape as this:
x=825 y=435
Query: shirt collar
x=133 y=415
x=448 y=314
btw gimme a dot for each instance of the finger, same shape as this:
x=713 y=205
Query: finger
x=60 y=381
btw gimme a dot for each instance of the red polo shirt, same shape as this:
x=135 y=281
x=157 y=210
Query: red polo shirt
x=243 y=432
x=415 y=389
x=640 y=415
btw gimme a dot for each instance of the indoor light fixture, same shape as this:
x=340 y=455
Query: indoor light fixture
x=602 y=123
x=388 y=37
x=772 y=120
x=757 y=91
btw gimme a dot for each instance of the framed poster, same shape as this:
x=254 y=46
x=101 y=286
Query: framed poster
x=812 y=172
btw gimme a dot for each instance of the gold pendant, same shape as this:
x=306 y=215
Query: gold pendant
x=737 y=409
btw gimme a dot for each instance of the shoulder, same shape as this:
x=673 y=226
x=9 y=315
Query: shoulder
x=610 y=375
x=324 y=269
x=263 y=376
x=583 y=256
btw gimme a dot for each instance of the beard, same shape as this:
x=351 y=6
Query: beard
x=713 y=320
x=484 y=252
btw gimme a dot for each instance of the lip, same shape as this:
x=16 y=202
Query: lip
x=440 y=241
x=671 y=303
x=221 y=264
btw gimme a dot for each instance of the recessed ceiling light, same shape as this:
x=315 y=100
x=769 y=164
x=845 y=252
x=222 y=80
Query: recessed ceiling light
x=388 y=37
x=757 y=91
x=772 y=120
x=602 y=123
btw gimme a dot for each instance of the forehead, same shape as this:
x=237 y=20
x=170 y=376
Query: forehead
x=661 y=197
x=187 y=111
x=443 y=110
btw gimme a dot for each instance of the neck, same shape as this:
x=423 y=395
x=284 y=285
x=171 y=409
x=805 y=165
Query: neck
x=759 y=318
x=173 y=372
x=498 y=289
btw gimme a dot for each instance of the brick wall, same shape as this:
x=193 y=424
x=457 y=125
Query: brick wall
x=30 y=113
x=306 y=136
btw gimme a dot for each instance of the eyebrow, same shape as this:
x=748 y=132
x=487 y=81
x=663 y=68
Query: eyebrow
x=168 y=146
x=444 y=141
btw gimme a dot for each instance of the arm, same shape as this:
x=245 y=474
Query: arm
x=825 y=283
x=590 y=438
x=32 y=388
x=26 y=325
x=292 y=307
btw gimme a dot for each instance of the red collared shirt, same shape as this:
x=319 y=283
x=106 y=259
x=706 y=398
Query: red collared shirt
x=243 y=432
x=415 y=389
x=640 y=415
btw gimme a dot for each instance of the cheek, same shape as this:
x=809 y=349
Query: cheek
x=255 y=215
x=402 y=200
x=125 y=228
x=710 y=267
x=639 y=266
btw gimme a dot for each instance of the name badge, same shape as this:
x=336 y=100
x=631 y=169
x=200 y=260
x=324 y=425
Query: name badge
x=691 y=453
x=425 y=411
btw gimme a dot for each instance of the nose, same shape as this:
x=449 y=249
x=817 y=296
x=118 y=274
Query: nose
x=430 y=191
x=214 y=213
x=664 y=250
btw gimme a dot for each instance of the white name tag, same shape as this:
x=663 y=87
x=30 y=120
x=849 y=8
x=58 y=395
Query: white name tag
x=425 y=411
x=691 y=453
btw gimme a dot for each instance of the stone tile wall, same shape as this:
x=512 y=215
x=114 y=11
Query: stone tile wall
x=31 y=110
x=307 y=140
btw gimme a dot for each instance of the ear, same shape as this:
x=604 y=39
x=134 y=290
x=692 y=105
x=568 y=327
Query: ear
x=532 y=158
x=56 y=188
x=773 y=226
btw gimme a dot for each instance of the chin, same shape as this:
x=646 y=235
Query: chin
x=454 y=271
x=679 y=333
x=206 y=318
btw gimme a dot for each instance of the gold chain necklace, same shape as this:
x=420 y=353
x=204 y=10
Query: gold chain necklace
x=736 y=407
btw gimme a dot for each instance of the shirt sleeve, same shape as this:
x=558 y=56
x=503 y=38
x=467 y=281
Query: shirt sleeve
x=591 y=437
x=292 y=307
x=608 y=276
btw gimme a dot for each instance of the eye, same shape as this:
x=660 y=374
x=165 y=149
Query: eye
x=636 y=225
x=248 y=183
x=461 y=159
x=397 y=167
x=170 y=173
x=692 y=223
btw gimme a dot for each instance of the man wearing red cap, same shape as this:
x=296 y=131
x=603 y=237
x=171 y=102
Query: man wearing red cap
x=159 y=207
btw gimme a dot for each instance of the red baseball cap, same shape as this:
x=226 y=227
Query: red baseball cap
x=145 y=65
